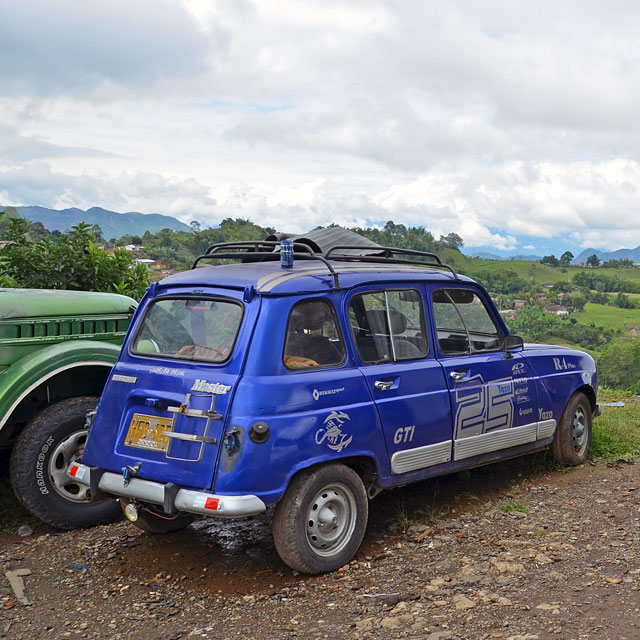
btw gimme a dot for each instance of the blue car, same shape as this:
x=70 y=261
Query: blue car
x=311 y=381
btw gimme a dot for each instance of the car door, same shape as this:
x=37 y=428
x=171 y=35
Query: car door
x=492 y=390
x=406 y=381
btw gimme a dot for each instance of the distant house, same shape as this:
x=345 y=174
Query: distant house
x=549 y=285
x=519 y=304
x=633 y=329
x=509 y=314
x=540 y=297
x=557 y=310
x=5 y=243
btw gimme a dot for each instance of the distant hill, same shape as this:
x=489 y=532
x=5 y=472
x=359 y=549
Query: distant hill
x=113 y=224
x=484 y=255
x=620 y=254
x=530 y=258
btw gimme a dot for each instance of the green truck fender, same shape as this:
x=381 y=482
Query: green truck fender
x=38 y=367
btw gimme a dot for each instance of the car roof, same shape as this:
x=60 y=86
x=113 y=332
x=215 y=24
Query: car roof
x=306 y=276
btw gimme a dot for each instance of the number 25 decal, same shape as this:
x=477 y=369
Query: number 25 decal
x=483 y=407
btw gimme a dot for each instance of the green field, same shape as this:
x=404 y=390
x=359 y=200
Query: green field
x=541 y=273
x=607 y=317
x=525 y=269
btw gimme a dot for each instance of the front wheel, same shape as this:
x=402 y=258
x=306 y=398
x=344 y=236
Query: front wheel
x=39 y=461
x=573 y=436
x=320 y=522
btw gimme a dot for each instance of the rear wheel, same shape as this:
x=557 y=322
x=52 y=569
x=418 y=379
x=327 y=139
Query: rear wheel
x=320 y=522
x=48 y=444
x=573 y=436
x=152 y=520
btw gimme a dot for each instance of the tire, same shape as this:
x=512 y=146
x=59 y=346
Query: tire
x=153 y=521
x=320 y=522
x=40 y=457
x=573 y=436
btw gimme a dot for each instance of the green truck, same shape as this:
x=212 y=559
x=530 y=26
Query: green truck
x=56 y=351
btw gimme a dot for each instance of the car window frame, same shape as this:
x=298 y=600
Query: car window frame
x=186 y=296
x=500 y=334
x=424 y=326
x=340 y=333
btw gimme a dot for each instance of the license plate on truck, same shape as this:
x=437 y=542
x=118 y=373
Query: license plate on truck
x=148 y=432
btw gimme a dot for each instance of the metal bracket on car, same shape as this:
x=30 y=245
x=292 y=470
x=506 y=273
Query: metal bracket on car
x=184 y=410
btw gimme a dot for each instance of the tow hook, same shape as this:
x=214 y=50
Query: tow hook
x=130 y=472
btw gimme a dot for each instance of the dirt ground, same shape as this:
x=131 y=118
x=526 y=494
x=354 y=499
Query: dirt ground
x=507 y=551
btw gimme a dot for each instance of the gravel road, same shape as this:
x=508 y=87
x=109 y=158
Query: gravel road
x=502 y=552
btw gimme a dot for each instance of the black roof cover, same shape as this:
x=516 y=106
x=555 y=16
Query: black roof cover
x=321 y=240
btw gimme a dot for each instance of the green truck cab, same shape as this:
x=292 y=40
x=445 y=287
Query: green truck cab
x=56 y=351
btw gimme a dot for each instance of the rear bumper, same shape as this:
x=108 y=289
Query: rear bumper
x=170 y=497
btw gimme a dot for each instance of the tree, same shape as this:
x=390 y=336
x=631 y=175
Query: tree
x=566 y=258
x=72 y=261
x=593 y=261
x=452 y=240
x=623 y=301
x=551 y=260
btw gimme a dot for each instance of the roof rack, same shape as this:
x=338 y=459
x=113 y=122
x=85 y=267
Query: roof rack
x=387 y=254
x=261 y=251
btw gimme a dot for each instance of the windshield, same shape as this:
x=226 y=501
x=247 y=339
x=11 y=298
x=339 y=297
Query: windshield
x=189 y=329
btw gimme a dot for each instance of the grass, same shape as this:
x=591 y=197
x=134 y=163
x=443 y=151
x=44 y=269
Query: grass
x=616 y=433
x=509 y=506
x=12 y=515
x=607 y=317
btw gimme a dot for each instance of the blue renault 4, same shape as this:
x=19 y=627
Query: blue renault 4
x=311 y=380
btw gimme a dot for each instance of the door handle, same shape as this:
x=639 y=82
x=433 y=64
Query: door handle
x=458 y=375
x=383 y=385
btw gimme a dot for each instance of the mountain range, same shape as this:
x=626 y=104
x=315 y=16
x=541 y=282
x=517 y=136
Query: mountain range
x=620 y=254
x=112 y=223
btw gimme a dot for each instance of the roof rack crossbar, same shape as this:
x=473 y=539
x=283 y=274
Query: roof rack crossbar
x=388 y=256
x=262 y=250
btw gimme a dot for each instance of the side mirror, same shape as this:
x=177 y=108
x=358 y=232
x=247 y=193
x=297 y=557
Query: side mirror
x=512 y=343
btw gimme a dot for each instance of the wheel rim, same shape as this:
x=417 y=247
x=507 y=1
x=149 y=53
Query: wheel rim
x=331 y=520
x=580 y=432
x=68 y=451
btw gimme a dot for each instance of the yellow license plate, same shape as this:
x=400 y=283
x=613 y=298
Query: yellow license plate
x=147 y=432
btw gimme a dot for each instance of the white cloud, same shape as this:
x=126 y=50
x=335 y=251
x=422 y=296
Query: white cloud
x=498 y=121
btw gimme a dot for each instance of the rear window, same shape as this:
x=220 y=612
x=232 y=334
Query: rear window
x=203 y=329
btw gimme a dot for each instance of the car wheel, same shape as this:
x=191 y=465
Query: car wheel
x=573 y=436
x=39 y=461
x=152 y=520
x=320 y=522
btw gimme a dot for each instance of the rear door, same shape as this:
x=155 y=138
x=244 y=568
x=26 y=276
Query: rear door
x=172 y=388
x=406 y=381
x=493 y=393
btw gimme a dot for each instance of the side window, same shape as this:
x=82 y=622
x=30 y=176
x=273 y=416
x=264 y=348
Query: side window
x=313 y=338
x=463 y=323
x=388 y=325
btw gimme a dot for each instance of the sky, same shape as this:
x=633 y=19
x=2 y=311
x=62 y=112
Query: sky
x=511 y=123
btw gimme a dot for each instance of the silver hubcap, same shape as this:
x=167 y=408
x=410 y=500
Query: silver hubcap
x=579 y=431
x=331 y=520
x=68 y=451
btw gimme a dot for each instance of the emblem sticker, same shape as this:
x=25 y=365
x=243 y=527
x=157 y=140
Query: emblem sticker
x=332 y=431
x=128 y=379
x=328 y=392
x=216 y=388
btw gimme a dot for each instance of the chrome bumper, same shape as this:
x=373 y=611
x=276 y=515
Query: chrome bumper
x=170 y=496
